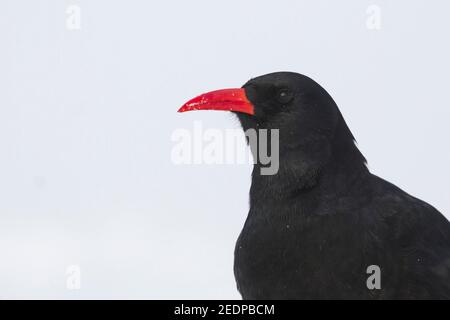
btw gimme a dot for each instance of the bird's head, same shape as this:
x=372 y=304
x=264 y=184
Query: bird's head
x=290 y=102
x=311 y=128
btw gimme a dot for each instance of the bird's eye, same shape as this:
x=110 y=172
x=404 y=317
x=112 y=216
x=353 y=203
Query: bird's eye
x=284 y=96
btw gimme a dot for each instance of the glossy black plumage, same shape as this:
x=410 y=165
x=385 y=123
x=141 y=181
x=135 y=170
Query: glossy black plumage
x=315 y=226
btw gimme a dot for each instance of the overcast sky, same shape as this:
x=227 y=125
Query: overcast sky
x=88 y=106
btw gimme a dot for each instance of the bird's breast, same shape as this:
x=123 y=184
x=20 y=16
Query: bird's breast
x=289 y=255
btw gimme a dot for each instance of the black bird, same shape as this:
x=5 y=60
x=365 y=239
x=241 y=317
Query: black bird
x=317 y=225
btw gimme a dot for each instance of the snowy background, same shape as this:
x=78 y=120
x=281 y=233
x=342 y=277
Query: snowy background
x=88 y=107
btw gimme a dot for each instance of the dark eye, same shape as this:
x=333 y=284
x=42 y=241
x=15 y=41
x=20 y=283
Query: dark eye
x=284 y=96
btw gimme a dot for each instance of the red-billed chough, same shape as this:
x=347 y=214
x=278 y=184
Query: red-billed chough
x=316 y=227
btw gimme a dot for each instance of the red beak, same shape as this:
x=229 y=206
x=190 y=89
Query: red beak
x=225 y=100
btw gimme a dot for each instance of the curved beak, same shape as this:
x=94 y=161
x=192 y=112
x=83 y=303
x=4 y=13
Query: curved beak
x=224 y=100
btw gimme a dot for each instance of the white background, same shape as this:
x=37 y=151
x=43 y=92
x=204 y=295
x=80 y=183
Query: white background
x=86 y=118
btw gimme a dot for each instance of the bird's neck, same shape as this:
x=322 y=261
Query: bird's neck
x=334 y=167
